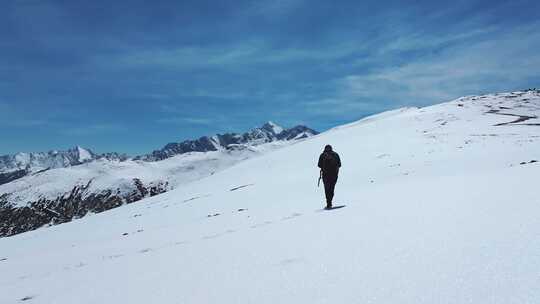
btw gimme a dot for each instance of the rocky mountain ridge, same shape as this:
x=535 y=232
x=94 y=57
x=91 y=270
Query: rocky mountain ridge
x=35 y=161
x=268 y=132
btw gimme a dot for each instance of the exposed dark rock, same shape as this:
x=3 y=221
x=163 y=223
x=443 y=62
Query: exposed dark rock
x=516 y=121
x=13 y=175
x=72 y=205
x=113 y=156
x=41 y=171
x=240 y=187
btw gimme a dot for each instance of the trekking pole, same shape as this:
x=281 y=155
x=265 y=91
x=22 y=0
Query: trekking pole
x=319 y=182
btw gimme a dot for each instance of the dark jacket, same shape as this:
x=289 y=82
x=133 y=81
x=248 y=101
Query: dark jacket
x=329 y=163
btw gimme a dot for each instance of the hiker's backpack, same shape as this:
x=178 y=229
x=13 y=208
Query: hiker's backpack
x=330 y=162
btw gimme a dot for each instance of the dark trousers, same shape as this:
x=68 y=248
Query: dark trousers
x=329 y=185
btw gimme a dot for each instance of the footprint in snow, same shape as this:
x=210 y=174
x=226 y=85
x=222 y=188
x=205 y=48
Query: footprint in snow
x=127 y=233
x=145 y=250
x=112 y=256
x=195 y=197
x=291 y=216
x=212 y=236
x=291 y=261
x=265 y=223
x=27 y=298
x=240 y=187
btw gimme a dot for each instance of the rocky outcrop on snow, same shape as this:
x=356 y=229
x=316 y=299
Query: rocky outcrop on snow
x=268 y=132
x=12 y=175
x=74 y=204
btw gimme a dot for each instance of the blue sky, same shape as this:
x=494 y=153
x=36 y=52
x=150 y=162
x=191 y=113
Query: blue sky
x=130 y=76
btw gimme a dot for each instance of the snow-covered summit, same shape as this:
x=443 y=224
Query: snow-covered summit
x=42 y=160
x=84 y=154
x=15 y=166
x=272 y=127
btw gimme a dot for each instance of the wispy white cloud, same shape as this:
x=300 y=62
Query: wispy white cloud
x=27 y=122
x=21 y=122
x=157 y=96
x=271 y=8
x=233 y=55
x=213 y=93
x=93 y=129
x=421 y=40
x=187 y=121
x=507 y=60
x=11 y=117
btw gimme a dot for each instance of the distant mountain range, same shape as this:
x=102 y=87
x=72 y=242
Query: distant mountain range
x=48 y=188
x=269 y=132
x=36 y=161
x=52 y=159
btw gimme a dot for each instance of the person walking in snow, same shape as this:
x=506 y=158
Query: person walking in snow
x=329 y=163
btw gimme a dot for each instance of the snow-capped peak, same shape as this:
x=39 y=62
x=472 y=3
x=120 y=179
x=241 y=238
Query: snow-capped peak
x=83 y=153
x=271 y=126
x=35 y=161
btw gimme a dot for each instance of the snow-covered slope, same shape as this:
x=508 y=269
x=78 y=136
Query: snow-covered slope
x=442 y=207
x=102 y=175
